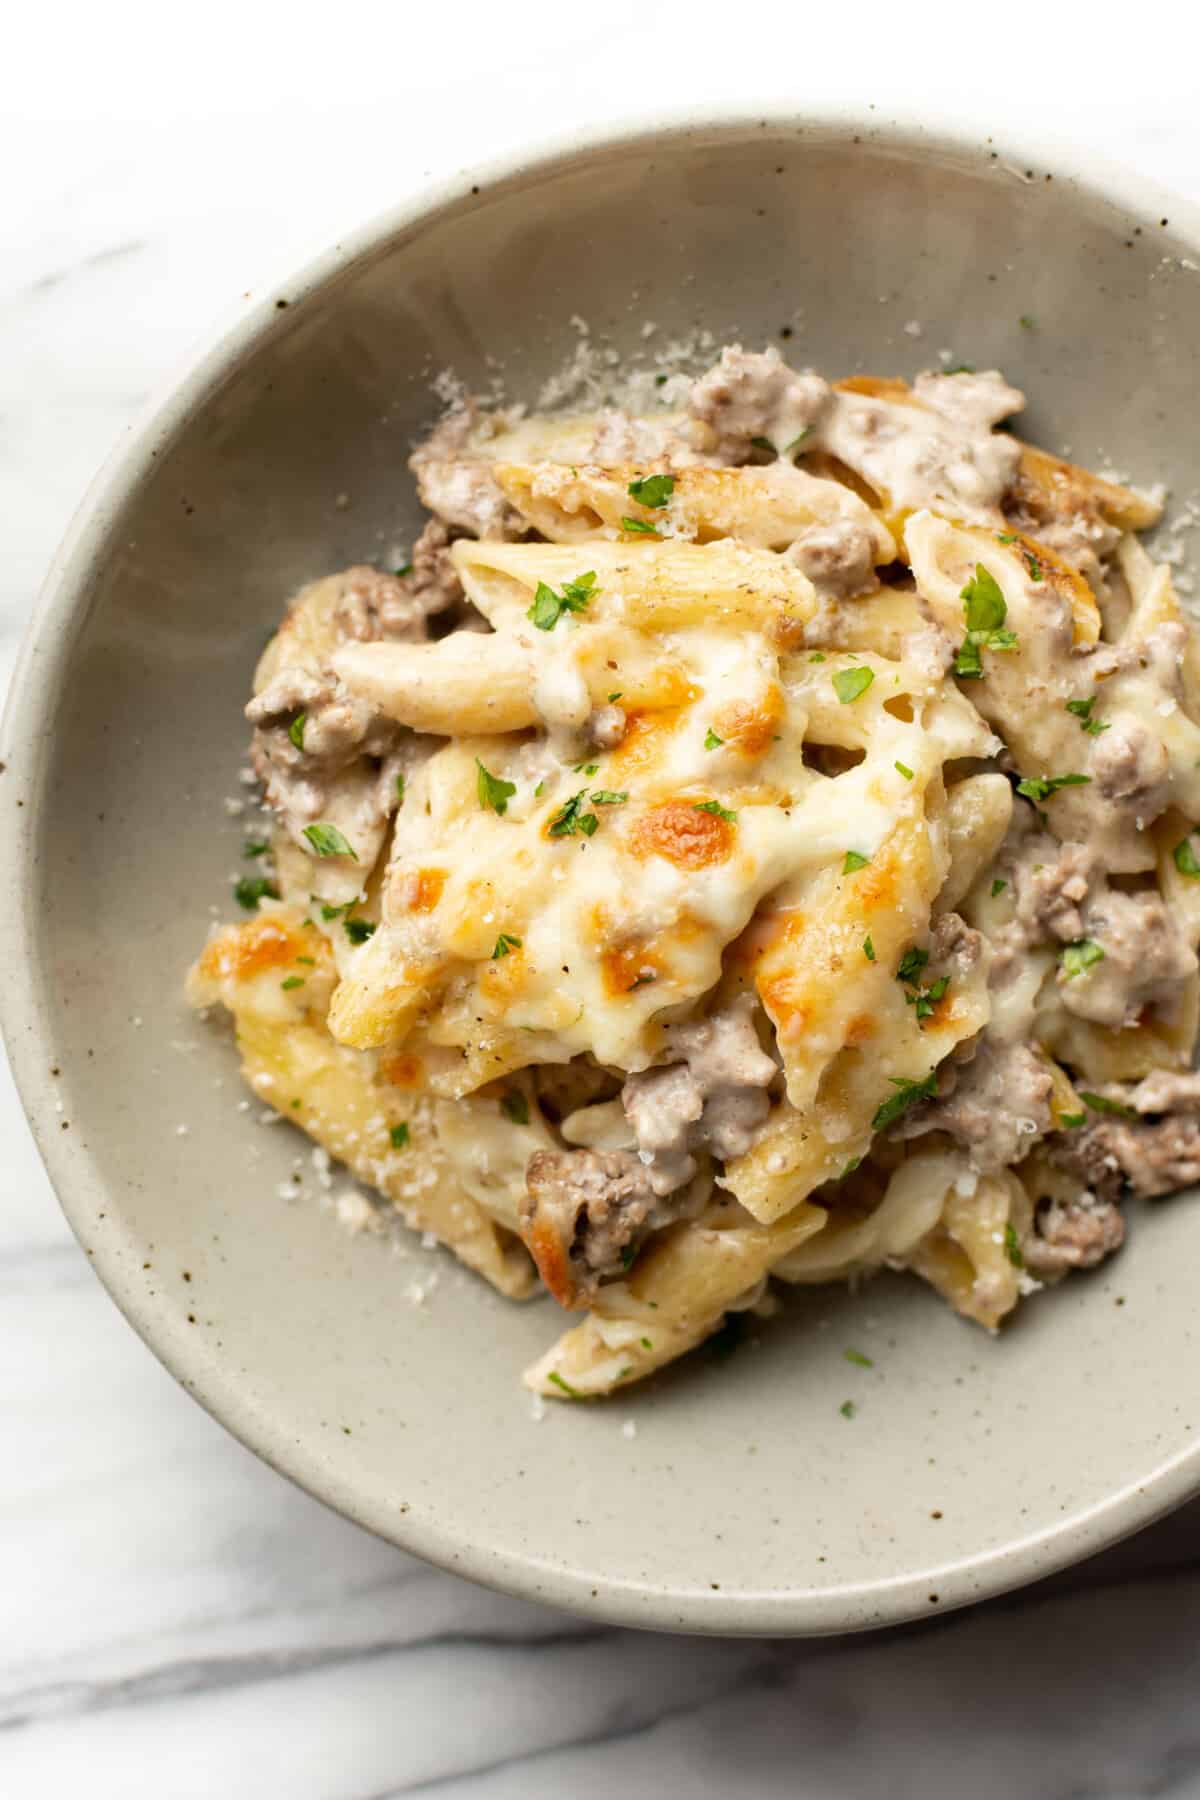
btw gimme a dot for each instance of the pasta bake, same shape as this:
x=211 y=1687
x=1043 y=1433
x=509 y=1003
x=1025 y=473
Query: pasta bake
x=750 y=840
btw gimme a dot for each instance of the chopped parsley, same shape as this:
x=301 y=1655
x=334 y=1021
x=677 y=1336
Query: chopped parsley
x=296 y=730
x=310 y=960
x=911 y=964
x=359 y=930
x=568 y=1390
x=292 y=981
x=797 y=441
x=854 y=861
x=849 y=684
x=1069 y=1121
x=505 y=944
x=404 y=569
x=1040 y=787
x=639 y=527
x=925 y=999
x=868 y=948
x=1025 y=322
x=571 y=818
x=1079 y=956
x=327 y=840
x=850 y=1167
x=399 y=1136
x=857 y=1357
x=539 y=790
x=1006 y=537
x=515 y=1106
x=903 y=769
x=549 y=607
x=716 y=809
x=817 y=656
x=1033 y=565
x=609 y=796
x=1099 y=1104
x=907 y=1094
x=585 y=768
x=399 y=790
x=255 y=847
x=1184 y=858
x=711 y=740
x=645 y=1343
x=613 y=698
x=960 y=369
x=985 y=611
x=652 y=490
x=334 y=912
x=494 y=794
x=763 y=443
x=253 y=888
x=660 y=381
x=1082 y=710
x=847 y=1409
x=1012 y=1246
x=998 y=886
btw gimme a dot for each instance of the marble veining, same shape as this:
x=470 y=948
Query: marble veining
x=175 y=1619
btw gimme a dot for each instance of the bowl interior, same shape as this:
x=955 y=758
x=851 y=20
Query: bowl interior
x=745 y=1500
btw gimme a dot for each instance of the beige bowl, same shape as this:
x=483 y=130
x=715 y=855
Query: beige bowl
x=745 y=1501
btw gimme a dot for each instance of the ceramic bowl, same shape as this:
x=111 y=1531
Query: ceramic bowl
x=744 y=1501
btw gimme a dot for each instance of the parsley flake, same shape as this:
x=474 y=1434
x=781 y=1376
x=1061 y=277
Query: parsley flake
x=1025 y=322
x=904 y=770
x=639 y=527
x=571 y=818
x=253 y=888
x=296 y=730
x=399 y=790
x=911 y=964
x=549 y=607
x=1033 y=565
x=847 y=1409
x=711 y=740
x=255 y=847
x=907 y=1094
x=1012 y=1246
x=494 y=794
x=763 y=443
x=504 y=945
x=985 y=610
x=849 y=684
x=1099 y=1104
x=998 y=886
x=854 y=861
x=335 y=912
x=857 y=1357
x=960 y=369
x=327 y=840
x=292 y=981
x=868 y=948
x=817 y=656
x=1079 y=956
x=515 y=1106
x=1082 y=710
x=1184 y=858
x=359 y=930
x=716 y=809
x=404 y=569
x=568 y=1390
x=1071 y=1120
x=924 y=1000
x=399 y=1135
x=613 y=698
x=1040 y=787
x=609 y=797
x=797 y=441
x=652 y=490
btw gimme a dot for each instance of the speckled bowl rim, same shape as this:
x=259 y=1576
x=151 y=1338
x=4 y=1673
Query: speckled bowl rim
x=42 y=666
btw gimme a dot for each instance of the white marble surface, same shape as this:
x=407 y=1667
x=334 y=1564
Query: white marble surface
x=174 y=1618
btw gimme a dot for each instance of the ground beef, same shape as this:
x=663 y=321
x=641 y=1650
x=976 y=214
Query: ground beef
x=714 y=1098
x=997 y=1105
x=1150 y=1156
x=458 y=485
x=1146 y=958
x=1051 y=883
x=583 y=1216
x=839 y=558
x=753 y=394
x=1130 y=764
x=1072 y=1234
